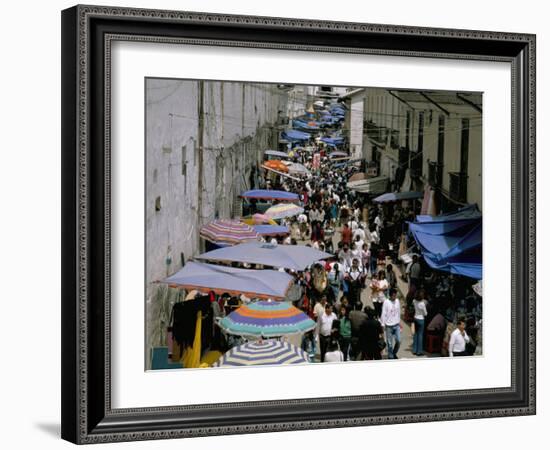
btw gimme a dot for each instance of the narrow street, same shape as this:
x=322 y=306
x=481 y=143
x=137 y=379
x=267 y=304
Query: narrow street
x=402 y=286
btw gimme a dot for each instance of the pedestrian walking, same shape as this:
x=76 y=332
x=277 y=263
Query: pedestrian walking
x=333 y=354
x=378 y=287
x=420 y=313
x=325 y=329
x=391 y=321
x=415 y=272
x=371 y=335
x=458 y=340
x=345 y=331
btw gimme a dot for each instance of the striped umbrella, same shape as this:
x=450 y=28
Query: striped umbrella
x=257 y=353
x=282 y=210
x=224 y=231
x=267 y=319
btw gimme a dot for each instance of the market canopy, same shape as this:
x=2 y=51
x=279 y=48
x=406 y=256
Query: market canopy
x=298 y=169
x=268 y=194
x=258 y=353
x=375 y=185
x=271 y=230
x=338 y=155
x=282 y=210
x=225 y=231
x=309 y=125
x=452 y=246
x=334 y=141
x=235 y=281
x=294 y=257
x=276 y=153
x=397 y=196
x=276 y=164
x=466 y=212
x=295 y=136
x=266 y=319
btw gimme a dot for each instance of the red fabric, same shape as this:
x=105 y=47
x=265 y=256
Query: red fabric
x=346 y=235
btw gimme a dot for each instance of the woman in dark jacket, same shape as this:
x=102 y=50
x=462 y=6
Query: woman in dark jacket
x=370 y=334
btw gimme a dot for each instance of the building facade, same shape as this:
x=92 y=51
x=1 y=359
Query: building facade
x=422 y=137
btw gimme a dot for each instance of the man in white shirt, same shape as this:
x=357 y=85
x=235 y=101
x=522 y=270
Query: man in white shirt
x=302 y=222
x=391 y=321
x=359 y=232
x=324 y=327
x=345 y=258
x=358 y=242
x=378 y=222
x=319 y=307
x=458 y=340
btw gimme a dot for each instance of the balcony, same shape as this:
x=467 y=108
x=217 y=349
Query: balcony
x=458 y=186
x=435 y=174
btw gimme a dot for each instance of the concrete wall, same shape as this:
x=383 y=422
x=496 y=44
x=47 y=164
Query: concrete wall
x=187 y=186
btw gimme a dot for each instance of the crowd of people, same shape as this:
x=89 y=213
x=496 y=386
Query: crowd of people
x=365 y=239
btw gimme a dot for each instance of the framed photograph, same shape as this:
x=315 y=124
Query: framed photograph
x=283 y=224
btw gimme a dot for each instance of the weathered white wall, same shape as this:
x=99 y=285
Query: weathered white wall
x=239 y=124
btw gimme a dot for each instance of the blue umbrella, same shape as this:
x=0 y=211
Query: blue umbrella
x=221 y=279
x=295 y=136
x=267 y=194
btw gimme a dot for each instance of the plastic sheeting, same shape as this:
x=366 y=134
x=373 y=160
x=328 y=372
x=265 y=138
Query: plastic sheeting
x=452 y=243
x=267 y=194
x=295 y=136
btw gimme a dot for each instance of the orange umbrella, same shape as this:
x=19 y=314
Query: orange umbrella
x=276 y=164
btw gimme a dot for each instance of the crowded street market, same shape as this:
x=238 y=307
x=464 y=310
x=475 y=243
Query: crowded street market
x=329 y=261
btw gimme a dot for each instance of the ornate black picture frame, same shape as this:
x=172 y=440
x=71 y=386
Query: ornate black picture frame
x=87 y=35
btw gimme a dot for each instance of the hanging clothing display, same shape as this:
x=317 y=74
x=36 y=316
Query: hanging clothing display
x=192 y=355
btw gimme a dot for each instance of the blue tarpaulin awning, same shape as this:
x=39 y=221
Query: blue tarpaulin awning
x=338 y=155
x=334 y=141
x=451 y=244
x=467 y=212
x=295 y=136
x=305 y=125
x=268 y=194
